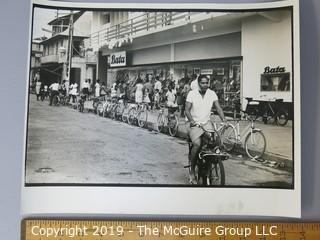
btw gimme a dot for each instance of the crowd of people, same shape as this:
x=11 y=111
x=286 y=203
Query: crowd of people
x=155 y=91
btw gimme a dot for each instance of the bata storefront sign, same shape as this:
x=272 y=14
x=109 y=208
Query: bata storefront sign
x=118 y=59
x=268 y=70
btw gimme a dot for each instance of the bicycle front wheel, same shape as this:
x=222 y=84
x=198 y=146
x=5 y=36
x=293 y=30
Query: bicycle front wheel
x=99 y=110
x=131 y=116
x=173 y=124
x=142 y=118
x=228 y=138
x=255 y=144
x=160 y=122
x=217 y=174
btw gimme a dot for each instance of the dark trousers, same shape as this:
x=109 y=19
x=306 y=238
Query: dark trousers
x=53 y=93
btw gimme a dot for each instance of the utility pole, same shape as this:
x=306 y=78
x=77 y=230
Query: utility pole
x=68 y=62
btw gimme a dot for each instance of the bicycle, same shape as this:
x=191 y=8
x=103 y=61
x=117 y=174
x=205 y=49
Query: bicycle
x=118 y=109
x=251 y=138
x=138 y=114
x=209 y=168
x=125 y=113
x=272 y=112
x=108 y=107
x=171 y=121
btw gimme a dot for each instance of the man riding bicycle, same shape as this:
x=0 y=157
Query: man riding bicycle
x=54 y=87
x=199 y=103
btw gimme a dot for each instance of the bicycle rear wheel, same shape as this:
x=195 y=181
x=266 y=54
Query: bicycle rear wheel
x=255 y=144
x=173 y=123
x=282 y=117
x=142 y=118
x=228 y=138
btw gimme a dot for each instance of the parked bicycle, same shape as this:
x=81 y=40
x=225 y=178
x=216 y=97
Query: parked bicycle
x=251 y=138
x=169 y=121
x=272 y=111
x=209 y=169
x=138 y=114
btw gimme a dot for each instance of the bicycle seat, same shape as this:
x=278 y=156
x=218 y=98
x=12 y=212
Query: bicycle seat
x=279 y=100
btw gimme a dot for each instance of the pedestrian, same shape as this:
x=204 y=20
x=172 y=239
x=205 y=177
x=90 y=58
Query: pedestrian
x=139 y=91
x=171 y=98
x=150 y=89
x=198 y=110
x=38 y=87
x=103 y=89
x=180 y=97
x=85 y=89
x=194 y=84
x=97 y=88
x=73 y=92
x=158 y=84
x=46 y=91
x=156 y=99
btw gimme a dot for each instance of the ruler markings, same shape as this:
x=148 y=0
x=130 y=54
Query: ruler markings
x=127 y=230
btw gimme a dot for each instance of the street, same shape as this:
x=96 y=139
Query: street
x=65 y=146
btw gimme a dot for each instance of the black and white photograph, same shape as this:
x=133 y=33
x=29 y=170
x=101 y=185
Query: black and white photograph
x=156 y=97
x=185 y=109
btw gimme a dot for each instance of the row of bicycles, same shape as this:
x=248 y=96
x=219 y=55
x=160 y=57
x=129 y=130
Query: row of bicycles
x=118 y=109
x=134 y=113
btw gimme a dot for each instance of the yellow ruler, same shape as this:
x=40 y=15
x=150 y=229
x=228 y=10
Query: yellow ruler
x=144 y=230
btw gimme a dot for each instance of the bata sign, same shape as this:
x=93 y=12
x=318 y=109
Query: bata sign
x=118 y=59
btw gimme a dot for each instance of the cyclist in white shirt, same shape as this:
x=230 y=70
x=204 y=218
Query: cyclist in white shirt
x=198 y=110
x=54 y=87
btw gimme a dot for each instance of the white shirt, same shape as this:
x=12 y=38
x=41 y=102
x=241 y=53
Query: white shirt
x=158 y=85
x=194 y=85
x=86 y=85
x=201 y=106
x=54 y=86
x=171 y=97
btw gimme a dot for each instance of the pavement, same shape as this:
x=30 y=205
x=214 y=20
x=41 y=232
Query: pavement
x=279 y=147
x=65 y=146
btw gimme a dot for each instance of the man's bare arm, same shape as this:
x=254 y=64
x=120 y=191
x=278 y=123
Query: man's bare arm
x=188 y=114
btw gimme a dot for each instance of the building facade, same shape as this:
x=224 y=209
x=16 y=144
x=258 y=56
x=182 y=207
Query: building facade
x=55 y=57
x=245 y=54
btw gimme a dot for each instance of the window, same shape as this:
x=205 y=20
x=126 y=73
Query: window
x=279 y=82
x=105 y=18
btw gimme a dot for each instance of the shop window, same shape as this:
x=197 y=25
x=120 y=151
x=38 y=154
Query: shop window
x=275 y=82
x=105 y=18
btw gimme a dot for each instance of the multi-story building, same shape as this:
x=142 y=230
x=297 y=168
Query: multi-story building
x=245 y=54
x=55 y=50
x=35 y=63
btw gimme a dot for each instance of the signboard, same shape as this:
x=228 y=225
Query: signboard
x=118 y=59
x=206 y=71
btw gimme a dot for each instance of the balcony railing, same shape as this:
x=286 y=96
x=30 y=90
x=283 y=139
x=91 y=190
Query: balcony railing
x=142 y=24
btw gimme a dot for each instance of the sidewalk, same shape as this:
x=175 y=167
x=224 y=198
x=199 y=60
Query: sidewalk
x=279 y=139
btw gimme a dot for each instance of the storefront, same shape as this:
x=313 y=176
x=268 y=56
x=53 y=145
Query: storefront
x=243 y=57
x=224 y=75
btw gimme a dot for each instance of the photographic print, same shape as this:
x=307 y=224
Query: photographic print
x=186 y=97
